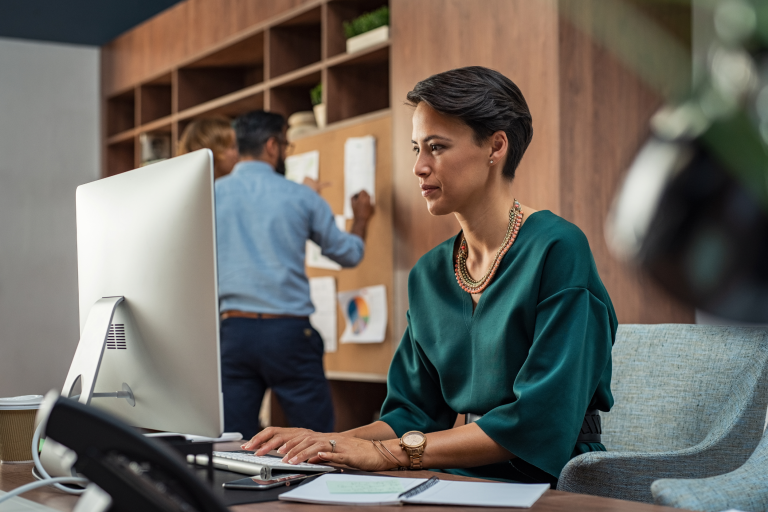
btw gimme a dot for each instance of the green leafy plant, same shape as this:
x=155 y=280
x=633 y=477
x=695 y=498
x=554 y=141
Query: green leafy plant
x=316 y=94
x=367 y=22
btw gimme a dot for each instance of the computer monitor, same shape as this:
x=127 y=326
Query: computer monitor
x=149 y=316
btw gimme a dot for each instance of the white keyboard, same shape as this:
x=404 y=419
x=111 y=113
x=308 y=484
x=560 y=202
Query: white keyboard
x=269 y=460
x=249 y=464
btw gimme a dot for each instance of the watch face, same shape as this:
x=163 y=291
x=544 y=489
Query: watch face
x=413 y=439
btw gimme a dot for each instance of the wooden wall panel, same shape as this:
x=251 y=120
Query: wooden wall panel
x=604 y=113
x=183 y=31
x=517 y=38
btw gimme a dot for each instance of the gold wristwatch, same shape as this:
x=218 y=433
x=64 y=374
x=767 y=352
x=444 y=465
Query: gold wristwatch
x=413 y=443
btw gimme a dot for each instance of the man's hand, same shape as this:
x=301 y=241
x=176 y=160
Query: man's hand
x=361 y=206
x=362 y=210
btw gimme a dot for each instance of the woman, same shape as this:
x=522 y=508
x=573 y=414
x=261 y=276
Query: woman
x=508 y=320
x=216 y=134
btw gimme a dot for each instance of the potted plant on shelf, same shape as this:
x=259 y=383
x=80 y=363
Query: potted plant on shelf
x=367 y=30
x=316 y=96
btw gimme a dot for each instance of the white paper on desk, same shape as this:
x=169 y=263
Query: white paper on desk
x=317 y=491
x=365 y=312
x=359 y=169
x=480 y=494
x=446 y=492
x=303 y=165
x=314 y=255
x=322 y=292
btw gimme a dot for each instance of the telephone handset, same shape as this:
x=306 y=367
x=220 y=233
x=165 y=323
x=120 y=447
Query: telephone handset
x=137 y=472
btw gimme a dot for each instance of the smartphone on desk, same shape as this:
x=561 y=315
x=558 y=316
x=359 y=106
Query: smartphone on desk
x=256 y=483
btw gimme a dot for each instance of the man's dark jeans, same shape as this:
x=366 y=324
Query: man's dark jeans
x=283 y=354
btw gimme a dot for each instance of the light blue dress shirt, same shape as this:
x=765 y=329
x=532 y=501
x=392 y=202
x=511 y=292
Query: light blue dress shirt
x=262 y=224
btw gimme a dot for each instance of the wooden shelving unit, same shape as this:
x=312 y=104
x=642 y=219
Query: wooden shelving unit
x=272 y=66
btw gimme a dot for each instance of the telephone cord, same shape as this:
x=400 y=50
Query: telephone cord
x=42 y=483
x=48 y=479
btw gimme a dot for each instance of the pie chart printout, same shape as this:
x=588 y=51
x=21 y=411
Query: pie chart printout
x=359 y=314
x=365 y=314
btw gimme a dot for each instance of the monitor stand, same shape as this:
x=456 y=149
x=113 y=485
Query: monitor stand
x=90 y=350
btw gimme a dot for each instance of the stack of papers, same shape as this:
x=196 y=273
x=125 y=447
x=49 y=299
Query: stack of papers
x=381 y=490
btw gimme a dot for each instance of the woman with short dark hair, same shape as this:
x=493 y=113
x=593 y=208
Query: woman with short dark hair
x=509 y=323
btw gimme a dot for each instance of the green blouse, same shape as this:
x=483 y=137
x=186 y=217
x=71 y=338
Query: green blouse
x=533 y=358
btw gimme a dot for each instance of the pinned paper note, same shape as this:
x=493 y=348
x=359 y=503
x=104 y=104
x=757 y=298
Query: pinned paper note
x=388 y=486
x=303 y=165
x=359 y=169
x=322 y=293
x=314 y=255
x=365 y=312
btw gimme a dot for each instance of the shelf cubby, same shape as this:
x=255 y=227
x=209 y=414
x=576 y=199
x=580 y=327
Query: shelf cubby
x=155 y=99
x=293 y=96
x=223 y=72
x=340 y=11
x=358 y=85
x=121 y=156
x=164 y=130
x=121 y=112
x=295 y=43
x=270 y=66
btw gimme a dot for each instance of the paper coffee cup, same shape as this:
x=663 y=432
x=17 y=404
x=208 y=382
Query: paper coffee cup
x=17 y=426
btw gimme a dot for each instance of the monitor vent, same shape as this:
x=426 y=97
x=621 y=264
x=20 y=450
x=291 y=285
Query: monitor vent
x=116 y=337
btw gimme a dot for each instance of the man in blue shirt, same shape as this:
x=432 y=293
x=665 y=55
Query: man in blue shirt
x=263 y=222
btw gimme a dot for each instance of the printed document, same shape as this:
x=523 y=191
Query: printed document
x=314 y=255
x=365 y=312
x=303 y=165
x=359 y=169
x=322 y=292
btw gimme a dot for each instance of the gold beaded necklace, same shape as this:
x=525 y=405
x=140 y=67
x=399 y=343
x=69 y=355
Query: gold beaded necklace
x=466 y=282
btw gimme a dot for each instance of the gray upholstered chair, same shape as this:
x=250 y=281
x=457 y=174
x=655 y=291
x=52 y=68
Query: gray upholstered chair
x=690 y=403
x=746 y=488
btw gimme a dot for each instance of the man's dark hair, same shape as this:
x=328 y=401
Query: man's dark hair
x=254 y=129
x=486 y=101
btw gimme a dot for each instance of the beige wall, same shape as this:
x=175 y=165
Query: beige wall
x=49 y=144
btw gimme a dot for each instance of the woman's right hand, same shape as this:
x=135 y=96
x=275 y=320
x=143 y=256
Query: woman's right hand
x=272 y=438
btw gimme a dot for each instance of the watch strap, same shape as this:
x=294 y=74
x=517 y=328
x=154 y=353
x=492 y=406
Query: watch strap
x=415 y=456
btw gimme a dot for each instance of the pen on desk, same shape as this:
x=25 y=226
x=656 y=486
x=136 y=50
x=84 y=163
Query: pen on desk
x=420 y=488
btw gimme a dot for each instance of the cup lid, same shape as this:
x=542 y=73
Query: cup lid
x=21 y=403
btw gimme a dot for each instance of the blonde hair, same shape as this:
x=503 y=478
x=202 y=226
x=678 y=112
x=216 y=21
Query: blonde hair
x=214 y=133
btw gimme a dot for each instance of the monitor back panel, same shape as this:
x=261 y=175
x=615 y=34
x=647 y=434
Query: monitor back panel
x=149 y=235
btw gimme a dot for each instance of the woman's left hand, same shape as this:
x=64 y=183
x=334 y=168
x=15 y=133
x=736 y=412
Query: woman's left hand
x=316 y=448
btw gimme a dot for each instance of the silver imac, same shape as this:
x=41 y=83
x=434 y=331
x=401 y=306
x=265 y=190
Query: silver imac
x=149 y=314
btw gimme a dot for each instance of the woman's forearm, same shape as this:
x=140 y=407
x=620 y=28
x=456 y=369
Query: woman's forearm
x=377 y=430
x=462 y=447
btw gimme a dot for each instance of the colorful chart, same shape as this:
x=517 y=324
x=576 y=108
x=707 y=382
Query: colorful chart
x=359 y=314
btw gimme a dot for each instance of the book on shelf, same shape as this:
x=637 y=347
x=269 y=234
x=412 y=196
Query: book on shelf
x=154 y=147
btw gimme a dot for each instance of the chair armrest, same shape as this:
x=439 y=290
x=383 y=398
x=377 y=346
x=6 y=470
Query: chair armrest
x=629 y=475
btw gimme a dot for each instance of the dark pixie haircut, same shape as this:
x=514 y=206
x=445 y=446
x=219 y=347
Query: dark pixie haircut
x=486 y=101
x=254 y=129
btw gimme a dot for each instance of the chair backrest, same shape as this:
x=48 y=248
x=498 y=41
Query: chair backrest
x=673 y=383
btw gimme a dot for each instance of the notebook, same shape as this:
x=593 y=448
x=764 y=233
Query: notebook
x=339 y=489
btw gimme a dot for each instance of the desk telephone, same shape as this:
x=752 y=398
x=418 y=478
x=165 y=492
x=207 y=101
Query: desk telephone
x=138 y=473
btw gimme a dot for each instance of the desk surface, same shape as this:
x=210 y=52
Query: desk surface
x=15 y=475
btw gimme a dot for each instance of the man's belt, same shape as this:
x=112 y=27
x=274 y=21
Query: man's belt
x=233 y=313
x=590 y=427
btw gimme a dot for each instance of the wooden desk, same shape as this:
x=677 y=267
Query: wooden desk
x=12 y=476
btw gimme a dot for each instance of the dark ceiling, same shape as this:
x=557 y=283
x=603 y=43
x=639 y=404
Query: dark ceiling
x=91 y=22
